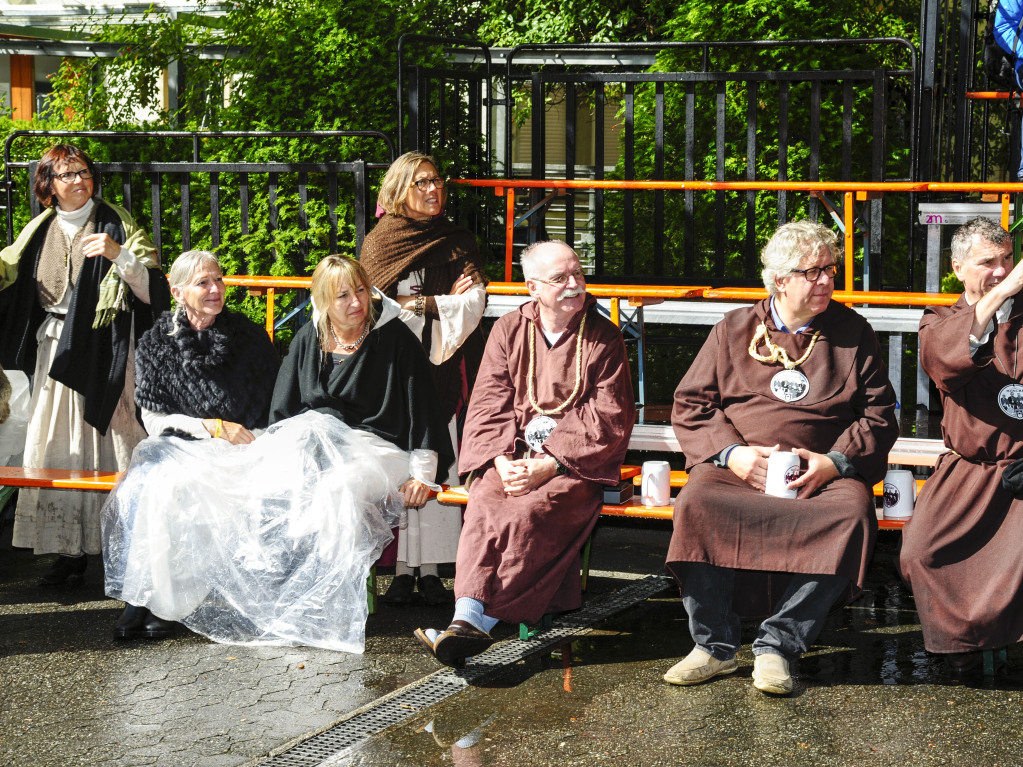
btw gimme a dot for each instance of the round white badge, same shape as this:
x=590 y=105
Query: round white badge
x=538 y=430
x=789 y=385
x=1010 y=400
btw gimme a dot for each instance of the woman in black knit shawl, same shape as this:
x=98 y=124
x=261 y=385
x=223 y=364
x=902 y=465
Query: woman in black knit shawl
x=269 y=539
x=201 y=372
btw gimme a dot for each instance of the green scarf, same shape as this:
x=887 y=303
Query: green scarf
x=113 y=294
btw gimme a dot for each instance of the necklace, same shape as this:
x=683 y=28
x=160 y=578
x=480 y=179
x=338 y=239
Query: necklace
x=777 y=353
x=1010 y=396
x=531 y=375
x=349 y=347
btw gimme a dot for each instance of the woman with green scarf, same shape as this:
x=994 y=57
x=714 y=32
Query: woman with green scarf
x=77 y=288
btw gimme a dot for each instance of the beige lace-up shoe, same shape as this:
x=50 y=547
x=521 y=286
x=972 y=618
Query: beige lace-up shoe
x=771 y=674
x=699 y=666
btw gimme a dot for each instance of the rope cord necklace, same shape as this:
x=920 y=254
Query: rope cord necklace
x=788 y=385
x=777 y=353
x=531 y=375
x=1010 y=396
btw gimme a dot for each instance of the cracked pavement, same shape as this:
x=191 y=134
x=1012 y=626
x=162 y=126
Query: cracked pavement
x=867 y=694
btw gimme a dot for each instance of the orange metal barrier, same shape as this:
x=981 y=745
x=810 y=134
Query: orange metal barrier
x=985 y=95
x=267 y=286
x=645 y=295
x=847 y=296
x=635 y=295
x=852 y=190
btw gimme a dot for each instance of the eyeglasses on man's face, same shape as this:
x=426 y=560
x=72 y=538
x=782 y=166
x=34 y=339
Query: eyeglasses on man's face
x=814 y=272
x=69 y=177
x=562 y=279
x=424 y=184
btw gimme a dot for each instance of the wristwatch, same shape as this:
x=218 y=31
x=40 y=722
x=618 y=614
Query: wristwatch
x=562 y=470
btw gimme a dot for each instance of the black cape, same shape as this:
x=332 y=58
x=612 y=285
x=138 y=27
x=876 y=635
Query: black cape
x=90 y=361
x=385 y=388
x=226 y=371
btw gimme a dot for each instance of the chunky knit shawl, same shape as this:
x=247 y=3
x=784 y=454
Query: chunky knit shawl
x=442 y=250
x=398 y=245
x=226 y=371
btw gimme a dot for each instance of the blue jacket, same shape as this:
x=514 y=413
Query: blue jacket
x=1007 y=28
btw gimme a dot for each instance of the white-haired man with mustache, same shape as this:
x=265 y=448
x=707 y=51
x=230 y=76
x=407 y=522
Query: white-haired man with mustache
x=548 y=425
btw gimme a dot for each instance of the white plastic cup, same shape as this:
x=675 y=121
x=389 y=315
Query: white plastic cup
x=899 y=494
x=782 y=468
x=656 y=487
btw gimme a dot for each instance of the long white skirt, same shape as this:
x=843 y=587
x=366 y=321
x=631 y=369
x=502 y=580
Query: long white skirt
x=266 y=543
x=429 y=535
x=67 y=521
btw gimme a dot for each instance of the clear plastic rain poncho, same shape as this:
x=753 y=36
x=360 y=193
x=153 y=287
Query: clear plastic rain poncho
x=265 y=543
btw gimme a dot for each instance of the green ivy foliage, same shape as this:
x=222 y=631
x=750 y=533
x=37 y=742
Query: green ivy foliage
x=756 y=19
x=300 y=65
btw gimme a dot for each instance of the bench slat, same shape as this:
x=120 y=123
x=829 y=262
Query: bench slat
x=67 y=479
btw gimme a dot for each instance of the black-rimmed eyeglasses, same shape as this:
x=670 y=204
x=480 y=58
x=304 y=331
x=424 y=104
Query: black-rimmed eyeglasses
x=424 y=184
x=69 y=177
x=814 y=272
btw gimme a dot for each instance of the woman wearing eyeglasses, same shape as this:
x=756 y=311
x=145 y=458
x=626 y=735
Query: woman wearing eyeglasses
x=796 y=372
x=77 y=286
x=432 y=268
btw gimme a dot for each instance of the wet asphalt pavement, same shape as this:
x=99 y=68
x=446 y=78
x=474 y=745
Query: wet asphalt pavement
x=867 y=694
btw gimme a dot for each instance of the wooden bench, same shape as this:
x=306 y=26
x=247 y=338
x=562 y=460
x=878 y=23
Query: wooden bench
x=63 y=479
x=635 y=508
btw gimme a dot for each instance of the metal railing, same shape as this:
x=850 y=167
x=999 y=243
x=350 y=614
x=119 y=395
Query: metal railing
x=725 y=110
x=189 y=190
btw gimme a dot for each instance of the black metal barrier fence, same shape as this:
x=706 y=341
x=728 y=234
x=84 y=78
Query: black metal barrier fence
x=190 y=201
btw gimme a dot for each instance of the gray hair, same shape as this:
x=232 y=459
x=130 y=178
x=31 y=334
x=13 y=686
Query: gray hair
x=181 y=272
x=966 y=237
x=527 y=259
x=790 y=245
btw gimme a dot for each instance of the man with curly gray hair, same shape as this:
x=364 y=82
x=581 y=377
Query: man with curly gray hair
x=796 y=373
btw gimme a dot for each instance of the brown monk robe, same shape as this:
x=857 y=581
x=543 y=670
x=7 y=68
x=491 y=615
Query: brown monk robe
x=725 y=398
x=961 y=550
x=520 y=555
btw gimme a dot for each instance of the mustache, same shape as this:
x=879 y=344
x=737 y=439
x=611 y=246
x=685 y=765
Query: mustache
x=571 y=294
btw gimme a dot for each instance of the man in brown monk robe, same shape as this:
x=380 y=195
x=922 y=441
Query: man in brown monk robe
x=548 y=424
x=796 y=372
x=960 y=551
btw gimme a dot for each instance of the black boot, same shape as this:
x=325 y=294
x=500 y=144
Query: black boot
x=131 y=623
x=67 y=570
x=401 y=591
x=432 y=590
x=158 y=628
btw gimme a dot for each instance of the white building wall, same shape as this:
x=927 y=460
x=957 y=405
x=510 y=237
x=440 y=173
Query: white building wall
x=5 y=82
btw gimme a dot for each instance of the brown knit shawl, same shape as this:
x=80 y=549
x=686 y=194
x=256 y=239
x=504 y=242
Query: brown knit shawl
x=398 y=246
x=60 y=261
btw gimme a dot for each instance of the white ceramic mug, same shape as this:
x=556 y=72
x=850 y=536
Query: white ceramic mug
x=899 y=494
x=656 y=487
x=782 y=468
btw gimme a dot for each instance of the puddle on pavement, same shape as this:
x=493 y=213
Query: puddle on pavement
x=600 y=697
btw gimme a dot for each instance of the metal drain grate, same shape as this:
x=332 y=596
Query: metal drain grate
x=410 y=700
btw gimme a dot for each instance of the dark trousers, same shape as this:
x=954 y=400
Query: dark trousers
x=789 y=632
